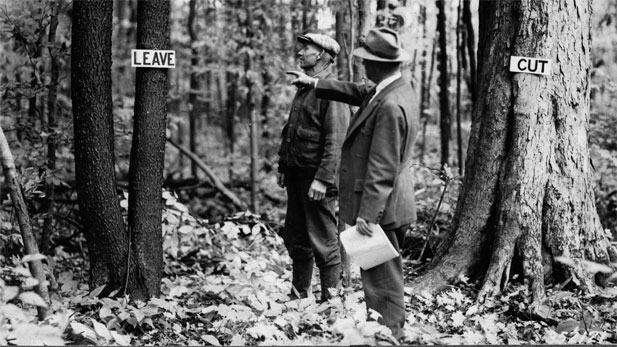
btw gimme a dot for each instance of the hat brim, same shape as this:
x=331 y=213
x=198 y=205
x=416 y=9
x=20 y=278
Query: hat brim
x=304 y=39
x=364 y=54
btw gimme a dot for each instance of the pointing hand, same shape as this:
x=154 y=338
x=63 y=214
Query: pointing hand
x=301 y=79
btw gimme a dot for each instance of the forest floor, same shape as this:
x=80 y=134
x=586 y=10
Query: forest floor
x=226 y=283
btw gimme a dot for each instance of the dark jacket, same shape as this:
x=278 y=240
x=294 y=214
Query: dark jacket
x=376 y=181
x=312 y=137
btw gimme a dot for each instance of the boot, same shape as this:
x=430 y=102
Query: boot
x=302 y=274
x=330 y=278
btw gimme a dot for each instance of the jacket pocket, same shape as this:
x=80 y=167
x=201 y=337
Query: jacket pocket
x=308 y=146
x=308 y=134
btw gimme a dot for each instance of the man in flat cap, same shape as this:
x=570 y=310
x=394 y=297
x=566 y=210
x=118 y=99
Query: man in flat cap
x=376 y=182
x=309 y=158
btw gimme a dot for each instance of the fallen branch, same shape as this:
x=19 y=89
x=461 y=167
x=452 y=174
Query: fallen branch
x=21 y=210
x=238 y=203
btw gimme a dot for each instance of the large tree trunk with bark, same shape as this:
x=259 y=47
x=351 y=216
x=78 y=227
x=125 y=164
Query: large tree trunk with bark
x=147 y=154
x=527 y=187
x=94 y=142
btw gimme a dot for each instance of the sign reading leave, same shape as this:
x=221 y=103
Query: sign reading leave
x=539 y=66
x=153 y=59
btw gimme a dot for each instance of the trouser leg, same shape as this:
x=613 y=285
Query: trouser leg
x=384 y=289
x=323 y=236
x=295 y=236
x=330 y=277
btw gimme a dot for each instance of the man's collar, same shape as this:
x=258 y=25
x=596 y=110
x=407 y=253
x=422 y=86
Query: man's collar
x=387 y=81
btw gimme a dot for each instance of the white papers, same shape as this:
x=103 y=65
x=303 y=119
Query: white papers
x=368 y=251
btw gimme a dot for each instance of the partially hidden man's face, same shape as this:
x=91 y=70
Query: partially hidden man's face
x=309 y=55
x=371 y=69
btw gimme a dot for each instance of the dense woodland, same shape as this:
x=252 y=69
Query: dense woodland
x=515 y=173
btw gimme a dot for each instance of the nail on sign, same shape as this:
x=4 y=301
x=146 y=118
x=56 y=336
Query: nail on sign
x=537 y=66
x=153 y=59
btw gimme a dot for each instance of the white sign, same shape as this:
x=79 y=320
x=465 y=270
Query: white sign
x=538 y=66
x=153 y=59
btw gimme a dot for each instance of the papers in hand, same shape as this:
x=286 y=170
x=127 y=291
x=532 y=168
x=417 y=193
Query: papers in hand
x=368 y=251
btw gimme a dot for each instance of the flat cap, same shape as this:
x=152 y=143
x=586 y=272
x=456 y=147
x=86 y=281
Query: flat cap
x=323 y=41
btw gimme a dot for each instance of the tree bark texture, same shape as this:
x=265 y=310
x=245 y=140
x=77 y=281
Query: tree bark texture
x=195 y=86
x=528 y=179
x=460 y=51
x=471 y=49
x=147 y=154
x=344 y=40
x=363 y=27
x=99 y=207
x=50 y=126
x=444 y=84
x=25 y=225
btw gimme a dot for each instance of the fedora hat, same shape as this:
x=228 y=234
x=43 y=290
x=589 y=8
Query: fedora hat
x=382 y=44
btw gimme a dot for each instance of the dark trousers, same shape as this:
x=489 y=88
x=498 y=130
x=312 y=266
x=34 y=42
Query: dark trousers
x=310 y=232
x=384 y=289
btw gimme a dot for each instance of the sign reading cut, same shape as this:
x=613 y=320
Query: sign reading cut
x=153 y=59
x=538 y=66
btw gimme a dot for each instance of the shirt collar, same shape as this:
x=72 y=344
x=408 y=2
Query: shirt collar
x=386 y=82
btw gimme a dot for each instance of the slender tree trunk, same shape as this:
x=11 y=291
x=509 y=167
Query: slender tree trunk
x=423 y=83
x=459 y=53
x=147 y=154
x=342 y=37
x=364 y=25
x=194 y=85
x=444 y=84
x=254 y=122
x=528 y=177
x=50 y=126
x=232 y=86
x=471 y=49
x=25 y=225
x=93 y=126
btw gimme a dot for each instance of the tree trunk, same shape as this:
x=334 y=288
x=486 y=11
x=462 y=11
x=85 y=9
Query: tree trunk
x=364 y=25
x=147 y=154
x=250 y=104
x=423 y=83
x=232 y=86
x=444 y=84
x=194 y=85
x=93 y=126
x=471 y=49
x=459 y=62
x=528 y=176
x=50 y=128
x=25 y=225
x=342 y=37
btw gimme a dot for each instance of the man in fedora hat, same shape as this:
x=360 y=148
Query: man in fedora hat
x=376 y=183
x=309 y=158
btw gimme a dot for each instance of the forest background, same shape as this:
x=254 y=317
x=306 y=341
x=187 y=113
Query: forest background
x=228 y=100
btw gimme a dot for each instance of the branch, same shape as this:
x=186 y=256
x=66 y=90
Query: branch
x=208 y=171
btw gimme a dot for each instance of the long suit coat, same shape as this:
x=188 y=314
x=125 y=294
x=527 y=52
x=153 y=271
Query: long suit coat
x=376 y=181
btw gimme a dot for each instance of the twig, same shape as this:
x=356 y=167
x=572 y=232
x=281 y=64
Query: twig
x=428 y=231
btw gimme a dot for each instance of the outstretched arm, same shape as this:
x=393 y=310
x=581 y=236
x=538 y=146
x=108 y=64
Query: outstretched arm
x=345 y=92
